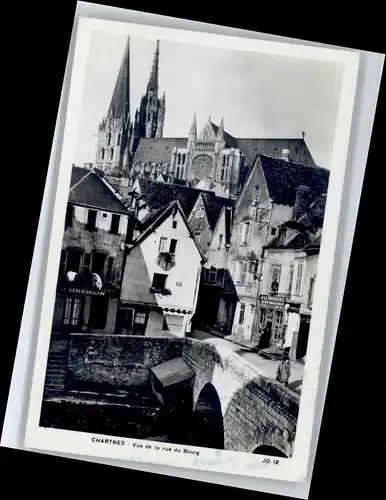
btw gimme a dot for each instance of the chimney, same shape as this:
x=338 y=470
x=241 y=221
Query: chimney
x=285 y=154
x=131 y=221
x=301 y=201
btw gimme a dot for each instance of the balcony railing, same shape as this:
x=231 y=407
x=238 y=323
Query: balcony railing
x=205 y=146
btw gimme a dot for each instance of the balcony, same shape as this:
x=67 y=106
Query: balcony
x=160 y=290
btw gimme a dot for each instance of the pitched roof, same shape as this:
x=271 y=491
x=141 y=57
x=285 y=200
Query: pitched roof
x=314 y=246
x=213 y=206
x=315 y=213
x=88 y=189
x=160 y=150
x=284 y=177
x=155 y=219
x=158 y=194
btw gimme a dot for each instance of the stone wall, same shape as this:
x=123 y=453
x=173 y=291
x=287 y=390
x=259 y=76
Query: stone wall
x=256 y=410
x=116 y=361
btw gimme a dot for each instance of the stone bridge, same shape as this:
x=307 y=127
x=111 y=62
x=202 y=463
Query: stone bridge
x=234 y=407
x=249 y=412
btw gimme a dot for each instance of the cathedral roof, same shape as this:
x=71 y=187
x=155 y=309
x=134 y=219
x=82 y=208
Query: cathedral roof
x=284 y=177
x=298 y=150
x=88 y=189
x=160 y=150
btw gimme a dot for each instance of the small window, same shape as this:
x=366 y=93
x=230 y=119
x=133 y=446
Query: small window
x=111 y=153
x=73 y=312
x=115 y=219
x=109 y=270
x=98 y=264
x=290 y=279
x=162 y=244
x=173 y=246
x=108 y=139
x=299 y=278
x=275 y=279
x=273 y=231
x=220 y=240
x=212 y=275
x=91 y=220
x=200 y=212
x=311 y=292
x=174 y=224
x=242 y=272
x=140 y=322
x=159 y=281
x=119 y=140
x=242 y=314
x=69 y=215
x=102 y=153
x=86 y=265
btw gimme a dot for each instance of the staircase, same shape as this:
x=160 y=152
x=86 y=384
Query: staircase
x=57 y=364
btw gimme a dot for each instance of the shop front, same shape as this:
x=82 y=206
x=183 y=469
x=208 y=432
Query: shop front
x=273 y=319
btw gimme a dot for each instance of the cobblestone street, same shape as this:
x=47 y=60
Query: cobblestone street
x=261 y=365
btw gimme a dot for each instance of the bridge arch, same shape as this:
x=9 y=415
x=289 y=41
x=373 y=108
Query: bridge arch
x=270 y=451
x=208 y=422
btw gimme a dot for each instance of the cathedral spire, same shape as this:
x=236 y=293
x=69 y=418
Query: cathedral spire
x=193 y=128
x=220 y=132
x=120 y=101
x=152 y=86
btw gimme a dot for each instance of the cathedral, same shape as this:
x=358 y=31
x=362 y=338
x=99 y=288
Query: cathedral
x=118 y=134
x=211 y=159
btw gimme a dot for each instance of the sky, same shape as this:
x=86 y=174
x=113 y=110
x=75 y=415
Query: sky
x=259 y=95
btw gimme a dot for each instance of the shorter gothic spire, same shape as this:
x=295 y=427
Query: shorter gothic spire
x=220 y=132
x=193 y=128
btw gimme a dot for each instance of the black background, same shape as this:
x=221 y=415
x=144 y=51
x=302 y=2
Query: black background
x=350 y=456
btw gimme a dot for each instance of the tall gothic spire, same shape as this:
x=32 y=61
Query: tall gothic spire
x=120 y=101
x=152 y=86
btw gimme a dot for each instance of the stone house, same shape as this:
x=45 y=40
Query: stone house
x=276 y=191
x=95 y=231
x=288 y=281
x=161 y=276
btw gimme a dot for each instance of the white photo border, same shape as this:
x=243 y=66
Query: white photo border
x=73 y=442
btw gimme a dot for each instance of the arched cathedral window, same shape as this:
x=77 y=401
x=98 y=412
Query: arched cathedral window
x=108 y=139
x=229 y=160
x=119 y=140
x=102 y=153
x=178 y=172
x=111 y=153
x=183 y=159
x=224 y=159
x=179 y=158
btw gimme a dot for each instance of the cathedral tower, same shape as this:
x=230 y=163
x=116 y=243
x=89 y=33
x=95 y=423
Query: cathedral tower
x=112 y=152
x=149 y=119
